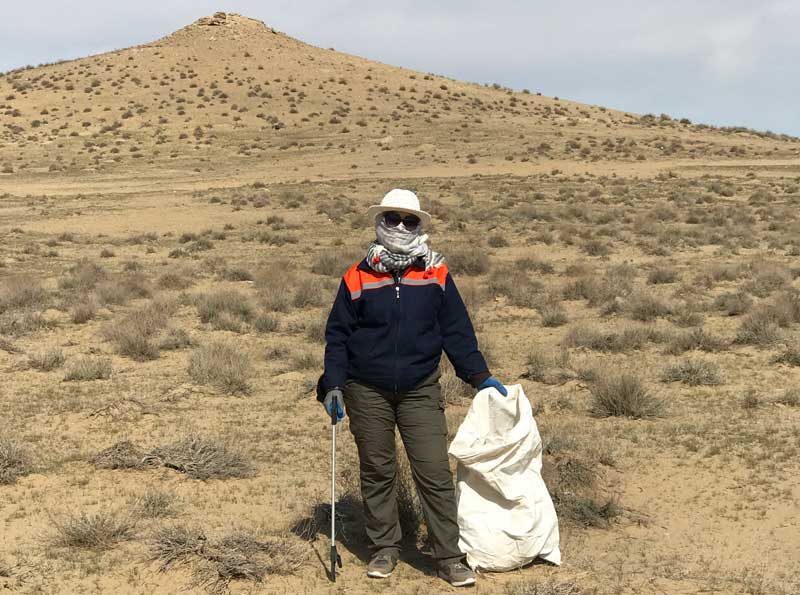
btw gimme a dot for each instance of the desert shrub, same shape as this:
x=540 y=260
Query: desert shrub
x=623 y=395
x=83 y=276
x=46 y=360
x=646 y=307
x=470 y=260
x=662 y=274
x=543 y=366
x=119 y=289
x=693 y=372
x=96 y=531
x=596 y=247
x=547 y=587
x=553 y=314
x=697 y=338
x=308 y=293
x=790 y=355
x=275 y=299
x=21 y=292
x=785 y=308
x=758 y=328
x=202 y=458
x=224 y=309
x=497 y=240
x=334 y=263
x=733 y=304
x=243 y=554
x=89 y=368
x=223 y=366
x=236 y=274
x=134 y=335
x=596 y=290
x=156 y=504
x=175 y=337
x=790 y=397
x=15 y=460
x=454 y=390
x=767 y=279
x=84 y=310
x=120 y=455
x=266 y=323
x=613 y=341
x=176 y=278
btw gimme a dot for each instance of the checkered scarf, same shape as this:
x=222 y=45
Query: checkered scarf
x=396 y=249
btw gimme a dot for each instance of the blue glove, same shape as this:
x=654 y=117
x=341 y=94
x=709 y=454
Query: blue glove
x=492 y=382
x=328 y=403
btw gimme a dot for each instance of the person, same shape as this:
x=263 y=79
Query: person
x=394 y=312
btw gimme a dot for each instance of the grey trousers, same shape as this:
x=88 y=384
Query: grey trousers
x=419 y=415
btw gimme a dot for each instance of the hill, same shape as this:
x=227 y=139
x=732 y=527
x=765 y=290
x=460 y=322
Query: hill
x=229 y=92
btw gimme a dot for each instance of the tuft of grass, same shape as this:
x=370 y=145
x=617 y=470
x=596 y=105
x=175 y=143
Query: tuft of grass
x=84 y=310
x=758 y=328
x=733 y=304
x=266 y=323
x=308 y=293
x=629 y=338
x=14 y=461
x=83 y=276
x=223 y=366
x=175 y=337
x=202 y=458
x=662 y=274
x=553 y=314
x=645 y=307
x=334 y=263
x=624 y=395
x=88 y=368
x=693 y=372
x=95 y=531
x=790 y=397
x=46 y=360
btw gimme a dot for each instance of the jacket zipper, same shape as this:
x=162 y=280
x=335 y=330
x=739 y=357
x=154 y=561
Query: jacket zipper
x=397 y=324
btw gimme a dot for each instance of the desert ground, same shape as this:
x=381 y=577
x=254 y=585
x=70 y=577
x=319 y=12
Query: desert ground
x=175 y=220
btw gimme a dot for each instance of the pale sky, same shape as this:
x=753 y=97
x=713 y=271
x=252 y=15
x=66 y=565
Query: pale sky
x=723 y=62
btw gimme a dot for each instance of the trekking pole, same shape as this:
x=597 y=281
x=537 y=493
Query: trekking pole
x=335 y=559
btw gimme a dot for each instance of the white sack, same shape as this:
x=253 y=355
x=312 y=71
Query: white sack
x=505 y=515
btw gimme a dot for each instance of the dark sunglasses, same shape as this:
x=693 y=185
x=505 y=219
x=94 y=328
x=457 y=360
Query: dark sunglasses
x=393 y=219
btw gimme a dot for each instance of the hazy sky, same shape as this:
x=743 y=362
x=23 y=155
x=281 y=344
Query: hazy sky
x=725 y=62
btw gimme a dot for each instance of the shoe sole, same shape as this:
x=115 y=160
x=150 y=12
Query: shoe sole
x=465 y=583
x=378 y=574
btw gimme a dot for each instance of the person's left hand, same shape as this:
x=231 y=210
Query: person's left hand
x=492 y=382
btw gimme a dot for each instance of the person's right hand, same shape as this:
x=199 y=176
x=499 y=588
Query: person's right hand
x=328 y=403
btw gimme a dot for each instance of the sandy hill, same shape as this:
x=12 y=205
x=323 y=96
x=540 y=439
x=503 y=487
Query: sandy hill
x=228 y=92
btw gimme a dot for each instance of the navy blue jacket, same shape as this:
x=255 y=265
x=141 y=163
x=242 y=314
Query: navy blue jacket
x=389 y=330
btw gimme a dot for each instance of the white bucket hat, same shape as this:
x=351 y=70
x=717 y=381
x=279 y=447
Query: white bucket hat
x=402 y=201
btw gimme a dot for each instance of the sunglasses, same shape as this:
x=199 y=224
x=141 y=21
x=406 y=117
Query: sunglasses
x=393 y=219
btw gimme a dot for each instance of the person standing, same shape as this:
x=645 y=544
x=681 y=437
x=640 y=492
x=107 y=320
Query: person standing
x=394 y=313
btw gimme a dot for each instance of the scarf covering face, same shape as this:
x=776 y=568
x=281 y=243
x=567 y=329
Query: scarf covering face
x=396 y=248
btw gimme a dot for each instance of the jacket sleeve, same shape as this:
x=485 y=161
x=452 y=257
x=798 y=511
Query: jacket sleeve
x=341 y=323
x=458 y=337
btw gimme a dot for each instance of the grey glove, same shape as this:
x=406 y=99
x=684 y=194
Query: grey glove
x=328 y=403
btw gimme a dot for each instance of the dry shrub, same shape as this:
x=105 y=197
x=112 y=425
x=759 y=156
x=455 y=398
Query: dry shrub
x=596 y=290
x=157 y=504
x=84 y=310
x=767 y=278
x=733 y=304
x=758 y=328
x=243 y=554
x=202 y=458
x=453 y=389
x=225 y=309
x=177 y=278
x=645 y=307
x=46 y=360
x=789 y=356
x=548 y=368
x=83 y=276
x=121 y=455
x=14 y=461
x=552 y=314
x=613 y=341
x=469 y=260
x=662 y=274
x=696 y=339
x=693 y=372
x=134 y=335
x=548 y=587
x=223 y=366
x=334 y=263
x=89 y=368
x=266 y=323
x=624 y=395
x=21 y=292
x=308 y=293
x=790 y=397
x=96 y=531
x=175 y=337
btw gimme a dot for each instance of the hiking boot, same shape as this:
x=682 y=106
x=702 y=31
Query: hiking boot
x=457 y=574
x=381 y=566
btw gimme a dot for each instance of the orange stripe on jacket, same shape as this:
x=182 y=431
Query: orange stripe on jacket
x=358 y=281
